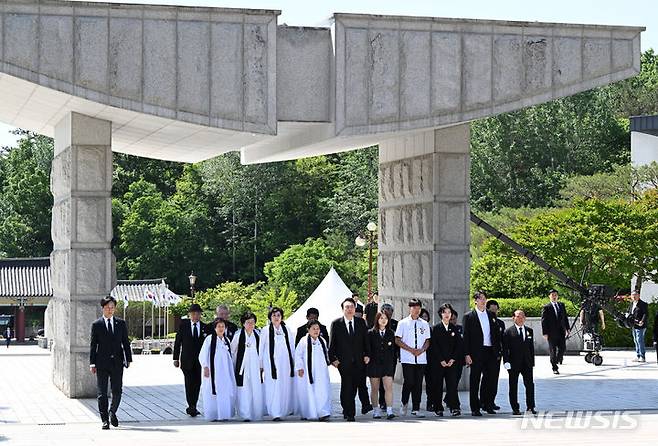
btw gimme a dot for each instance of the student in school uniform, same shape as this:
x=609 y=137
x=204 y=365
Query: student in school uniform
x=445 y=353
x=218 y=383
x=429 y=375
x=413 y=338
x=278 y=365
x=313 y=388
x=381 y=368
x=245 y=348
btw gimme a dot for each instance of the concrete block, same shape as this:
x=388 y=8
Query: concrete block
x=193 y=67
x=477 y=70
x=56 y=52
x=90 y=272
x=61 y=223
x=303 y=72
x=415 y=75
x=91 y=39
x=91 y=220
x=91 y=168
x=227 y=92
x=450 y=175
x=160 y=63
x=256 y=74
x=622 y=54
x=20 y=45
x=453 y=139
x=568 y=57
x=446 y=72
x=596 y=57
x=125 y=59
x=61 y=272
x=452 y=222
x=507 y=67
x=452 y=271
x=60 y=178
x=538 y=64
x=356 y=77
x=384 y=75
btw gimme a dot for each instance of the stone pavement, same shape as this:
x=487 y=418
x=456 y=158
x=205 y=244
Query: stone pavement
x=33 y=411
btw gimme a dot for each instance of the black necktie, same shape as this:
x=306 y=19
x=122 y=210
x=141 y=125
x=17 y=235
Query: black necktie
x=521 y=332
x=350 y=329
x=557 y=312
x=382 y=334
x=195 y=332
x=109 y=327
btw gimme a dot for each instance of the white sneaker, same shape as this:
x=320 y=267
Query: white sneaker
x=636 y=360
x=641 y=360
x=404 y=411
x=377 y=414
x=418 y=414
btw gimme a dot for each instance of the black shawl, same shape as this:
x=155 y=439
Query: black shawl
x=213 y=347
x=239 y=379
x=292 y=362
x=309 y=355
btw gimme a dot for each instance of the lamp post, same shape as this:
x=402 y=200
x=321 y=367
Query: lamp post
x=192 y=278
x=370 y=237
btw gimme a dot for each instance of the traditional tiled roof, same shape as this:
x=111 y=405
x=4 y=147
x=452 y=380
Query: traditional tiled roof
x=152 y=290
x=25 y=278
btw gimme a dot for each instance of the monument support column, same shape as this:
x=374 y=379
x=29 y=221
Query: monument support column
x=424 y=216
x=82 y=261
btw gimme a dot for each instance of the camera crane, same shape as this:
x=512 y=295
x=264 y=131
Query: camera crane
x=593 y=296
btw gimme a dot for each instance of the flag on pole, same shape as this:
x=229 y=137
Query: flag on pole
x=149 y=296
x=125 y=301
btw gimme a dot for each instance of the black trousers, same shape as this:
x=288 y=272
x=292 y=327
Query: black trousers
x=526 y=373
x=556 y=349
x=192 y=385
x=482 y=369
x=115 y=377
x=449 y=376
x=362 y=389
x=429 y=386
x=412 y=384
x=350 y=377
x=489 y=400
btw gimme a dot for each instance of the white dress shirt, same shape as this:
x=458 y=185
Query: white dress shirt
x=414 y=333
x=486 y=328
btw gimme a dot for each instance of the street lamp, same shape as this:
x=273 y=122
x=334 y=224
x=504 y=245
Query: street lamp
x=369 y=239
x=192 y=278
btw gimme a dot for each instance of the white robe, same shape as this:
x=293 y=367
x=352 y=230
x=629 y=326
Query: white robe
x=279 y=393
x=313 y=400
x=250 y=402
x=221 y=405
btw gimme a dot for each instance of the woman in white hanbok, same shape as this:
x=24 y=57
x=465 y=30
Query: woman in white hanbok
x=313 y=388
x=245 y=348
x=218 y=378
x=278 y=364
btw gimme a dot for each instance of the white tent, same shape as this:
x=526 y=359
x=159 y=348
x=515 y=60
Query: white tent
x=327 y=298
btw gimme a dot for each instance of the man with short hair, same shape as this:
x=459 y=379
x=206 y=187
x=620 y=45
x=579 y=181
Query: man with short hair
x=413 y=338
x=493 y=307
x=519 y=359
x=480 y=340
x=555 y=328
x=370 y=310
x=364 y=395
x=222 y=312
x=189 y=340
x=638 y=311
x=312 y=314
x=348 y=352
x=109 y=353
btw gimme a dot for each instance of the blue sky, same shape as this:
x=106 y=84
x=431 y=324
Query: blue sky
x=319 y=12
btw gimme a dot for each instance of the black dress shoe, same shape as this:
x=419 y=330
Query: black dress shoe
x=366 y=409
x=556 y=372
x=490 y=411
x=390 y=416
x=532 y=411
x=350 y=419
x=496 y=407
x=476 y=413
x=187 y=411
x=276 y=419
x=194 y=412
x=106 y=425
x=113 y=419
x=517 y=412
x=324 y=418
x=456 y=413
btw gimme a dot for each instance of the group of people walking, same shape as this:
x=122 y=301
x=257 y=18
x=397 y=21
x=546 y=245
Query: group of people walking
x=247 y=373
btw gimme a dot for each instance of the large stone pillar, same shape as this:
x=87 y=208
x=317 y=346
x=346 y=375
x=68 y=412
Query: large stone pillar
x=82 y=263
x=424 y=219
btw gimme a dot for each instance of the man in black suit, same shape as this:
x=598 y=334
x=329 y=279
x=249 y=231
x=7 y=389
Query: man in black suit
x=493 y=307
x=638 y=311
x=348 y=352
x=189 y=339
x=222 y=312
x=312 y=314
x=109 y=353
x=555 y=328
x=480 y=340
x=519 y=358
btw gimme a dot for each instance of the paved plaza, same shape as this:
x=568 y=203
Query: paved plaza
x=33 y=411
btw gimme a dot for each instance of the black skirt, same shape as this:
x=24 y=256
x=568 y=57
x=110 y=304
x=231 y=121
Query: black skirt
x=374 y=370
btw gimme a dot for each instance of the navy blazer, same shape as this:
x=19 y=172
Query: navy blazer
x=105 y=351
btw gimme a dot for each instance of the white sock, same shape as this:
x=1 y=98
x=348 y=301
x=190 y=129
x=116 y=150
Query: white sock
x=389 y=410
